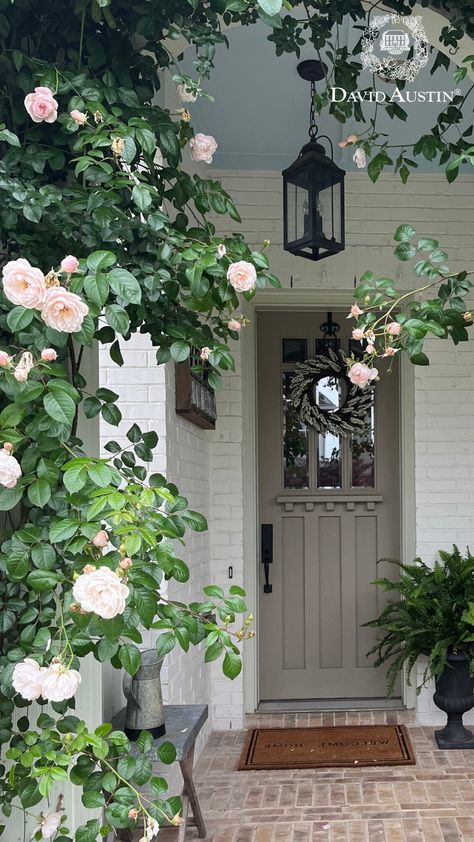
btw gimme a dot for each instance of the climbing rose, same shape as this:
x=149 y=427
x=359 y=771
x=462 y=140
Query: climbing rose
x=394 y=328
x=41 y=105
x=357 y=333
x=101 y=592
x=349 y=141
x=78 y=116
x=133 y=814
x=49 y=825
x=4 y=358
x=125 y=563
x=69 y=263
x=221 y=250
x=360 y=374
x=205 y=352
x=24 y=284
x=63 y=310
x=59 y=683
x=10 y=471
x=101 y=539
x=356 y=311
x=26 y=679
x=370 y=349
x=234 y=325
x=390 y=351
x=202 y=147
x=242 y=276
x=49 y=355
x=359 y=157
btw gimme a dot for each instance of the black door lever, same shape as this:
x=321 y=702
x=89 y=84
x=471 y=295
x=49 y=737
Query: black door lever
x=267 y=554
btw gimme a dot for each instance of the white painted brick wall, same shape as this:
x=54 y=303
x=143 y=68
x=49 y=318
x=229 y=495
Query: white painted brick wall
x=208 y=465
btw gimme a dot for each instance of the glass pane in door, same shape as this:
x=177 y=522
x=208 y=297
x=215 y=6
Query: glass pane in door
x=295 y=442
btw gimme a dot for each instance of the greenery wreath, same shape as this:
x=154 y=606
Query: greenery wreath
x=350 y=416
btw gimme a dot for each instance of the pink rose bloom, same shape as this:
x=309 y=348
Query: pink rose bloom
x=49 y=355
x=370 y=349
x=101 y=592
x=358 y=333
x=41 y=105
x=205 y=353
x=390 y=352
x=10 y=471
x=242 y=276
x=125 y=563
x=23 y=284
x=202 y=147
x=26 y=679
x=89 y=568
x=133 y=813
x=63 y=310
x=359 y=157
x=221 y=250
x=24 y=366
x=21 y=375
x=360 y=374
x=349 y=141
x=234 y=325
x=393 y=328
x=4 y=358
x=356 y=311
x=78 y=116
x=69 y=264
x=59 y=683
x=101 y=539
x=49 y=825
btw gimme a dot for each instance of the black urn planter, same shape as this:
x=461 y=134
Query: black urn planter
x=455 y=695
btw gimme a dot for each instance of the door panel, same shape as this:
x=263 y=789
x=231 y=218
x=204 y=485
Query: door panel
x=334 y=506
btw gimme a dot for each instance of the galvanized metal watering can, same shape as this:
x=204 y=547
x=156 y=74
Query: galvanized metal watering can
x=145 y=710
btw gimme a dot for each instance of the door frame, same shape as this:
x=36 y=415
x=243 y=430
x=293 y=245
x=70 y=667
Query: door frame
x=317 y=299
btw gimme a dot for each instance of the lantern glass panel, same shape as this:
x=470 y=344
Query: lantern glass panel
x=298 y=197
x=329 y=211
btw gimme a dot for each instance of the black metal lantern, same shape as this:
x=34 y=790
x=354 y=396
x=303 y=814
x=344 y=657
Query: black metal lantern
x=313 y=190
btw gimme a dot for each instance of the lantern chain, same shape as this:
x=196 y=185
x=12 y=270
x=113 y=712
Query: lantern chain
x=313 y=129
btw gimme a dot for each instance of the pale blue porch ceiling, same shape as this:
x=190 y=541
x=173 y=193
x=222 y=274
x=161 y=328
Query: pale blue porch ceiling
x=260 y=111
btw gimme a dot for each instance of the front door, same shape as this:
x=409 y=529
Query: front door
x=334 y=508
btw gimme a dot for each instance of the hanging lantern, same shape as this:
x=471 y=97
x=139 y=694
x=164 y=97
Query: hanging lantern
x=313 y=190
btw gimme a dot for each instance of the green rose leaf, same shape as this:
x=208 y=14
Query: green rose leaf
x=19 y=318
x=270 y=7
x=232 y=665
x=39 y=493
x=60 y=407
x=167 y=753
x=130 y=658
x=125 y=285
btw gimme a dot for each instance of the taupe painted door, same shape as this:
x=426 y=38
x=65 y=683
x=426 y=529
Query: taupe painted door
x=334 y=507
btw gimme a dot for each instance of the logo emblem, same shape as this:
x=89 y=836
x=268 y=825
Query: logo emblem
x=403 y=40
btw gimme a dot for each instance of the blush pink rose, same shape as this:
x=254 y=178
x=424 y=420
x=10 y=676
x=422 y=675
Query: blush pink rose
x=49 y=825
x=49 y=355
x=59 y=683
x=10 y=471
x=21 y=375
x=41 y=105
x=26 y=679
x=4 y=358
x=221 y=250
x=125 y=563
x=358 y=333
x=349 y=141
x=202 y=147
x=390 y=352
x=78 y=116
x=205 y=353
x=69 y=263
x=63 y=310
x=242 y=276
x=234 y=325
x=394 y=328
x=360 y=374
x=370 y=349
x=101 y=539
x=24 y=284
x=356 y=311
x=101 y=592
x=359 y=157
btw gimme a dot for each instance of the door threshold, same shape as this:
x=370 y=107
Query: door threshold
x=330 y=705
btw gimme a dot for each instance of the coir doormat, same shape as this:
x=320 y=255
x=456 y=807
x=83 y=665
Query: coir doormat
x=313 y=748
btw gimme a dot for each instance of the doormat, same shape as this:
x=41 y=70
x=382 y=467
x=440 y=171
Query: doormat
x=315 y=748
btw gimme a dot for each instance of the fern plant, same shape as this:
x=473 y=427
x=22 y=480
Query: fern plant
x=433 y=616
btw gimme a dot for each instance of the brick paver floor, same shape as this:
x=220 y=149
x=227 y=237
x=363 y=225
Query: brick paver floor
x=432 y=801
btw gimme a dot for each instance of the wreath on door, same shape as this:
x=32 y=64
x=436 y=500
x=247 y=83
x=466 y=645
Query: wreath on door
x=352 y=415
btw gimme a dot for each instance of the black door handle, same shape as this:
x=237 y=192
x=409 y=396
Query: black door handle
x=267 y=553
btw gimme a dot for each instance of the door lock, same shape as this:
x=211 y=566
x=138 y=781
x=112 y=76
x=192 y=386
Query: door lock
x=267 y=553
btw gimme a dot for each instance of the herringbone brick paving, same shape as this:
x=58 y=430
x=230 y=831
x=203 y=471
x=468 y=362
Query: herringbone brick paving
x=432 y=801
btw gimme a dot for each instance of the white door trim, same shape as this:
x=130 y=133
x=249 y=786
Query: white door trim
x=316 y=299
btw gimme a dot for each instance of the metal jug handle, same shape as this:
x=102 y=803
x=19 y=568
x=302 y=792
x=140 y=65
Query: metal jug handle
x=127 y=689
